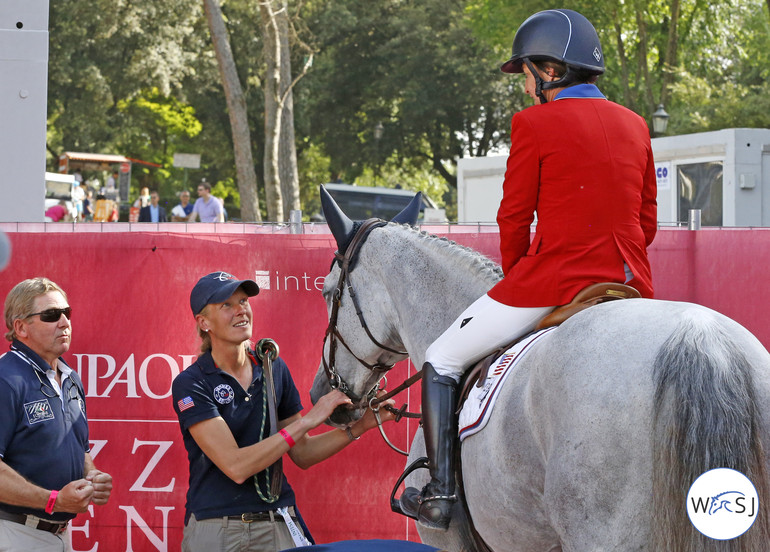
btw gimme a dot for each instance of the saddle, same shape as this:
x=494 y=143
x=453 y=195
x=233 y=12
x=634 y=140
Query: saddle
x=587 y=297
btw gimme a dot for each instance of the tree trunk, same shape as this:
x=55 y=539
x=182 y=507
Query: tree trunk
x=271 y=36
x=669 y=66
x=643 y=69
x=287 y=161
x=627 y=100
x=236 y=106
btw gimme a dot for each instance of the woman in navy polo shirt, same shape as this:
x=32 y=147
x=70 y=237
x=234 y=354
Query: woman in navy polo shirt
x=223 y=406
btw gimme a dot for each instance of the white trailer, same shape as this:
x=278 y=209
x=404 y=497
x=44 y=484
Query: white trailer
x=724 y=173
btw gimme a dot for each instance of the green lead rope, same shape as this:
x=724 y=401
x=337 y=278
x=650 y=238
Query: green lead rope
x=270 y=498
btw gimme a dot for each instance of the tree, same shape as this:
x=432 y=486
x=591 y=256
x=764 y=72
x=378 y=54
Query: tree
x=413 y=69
x=236 y=103
x=281 y=176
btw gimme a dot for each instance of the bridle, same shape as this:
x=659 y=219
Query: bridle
x=333 y=335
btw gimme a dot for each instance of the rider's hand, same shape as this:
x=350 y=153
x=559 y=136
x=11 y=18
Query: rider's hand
x=324 y=407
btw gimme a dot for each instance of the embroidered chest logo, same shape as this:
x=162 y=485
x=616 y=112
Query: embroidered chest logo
x=224 y=394
x=38 y=411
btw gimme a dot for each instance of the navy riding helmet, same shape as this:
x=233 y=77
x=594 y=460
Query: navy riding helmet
x=558 y=35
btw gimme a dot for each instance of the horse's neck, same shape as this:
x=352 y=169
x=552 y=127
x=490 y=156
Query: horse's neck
x=429 y=282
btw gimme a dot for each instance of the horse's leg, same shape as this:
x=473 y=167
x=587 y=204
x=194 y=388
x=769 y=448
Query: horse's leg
x=504 y=473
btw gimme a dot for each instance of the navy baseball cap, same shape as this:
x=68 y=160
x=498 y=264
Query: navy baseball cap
x=216 y=287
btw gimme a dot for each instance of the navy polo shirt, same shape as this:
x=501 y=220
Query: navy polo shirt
x=203 y=391
x=41 y=439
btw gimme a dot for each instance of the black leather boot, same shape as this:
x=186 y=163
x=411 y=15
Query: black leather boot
x=433 y=505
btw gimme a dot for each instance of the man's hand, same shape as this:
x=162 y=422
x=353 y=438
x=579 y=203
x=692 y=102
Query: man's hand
x=75 y=497
x=102 y=483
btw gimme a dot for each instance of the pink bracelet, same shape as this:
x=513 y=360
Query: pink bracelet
x=285 y=435
x=51 y=502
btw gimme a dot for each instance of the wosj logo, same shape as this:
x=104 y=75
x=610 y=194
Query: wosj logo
x=722 y=504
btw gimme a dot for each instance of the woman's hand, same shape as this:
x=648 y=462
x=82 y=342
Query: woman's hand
x=368 y=420
x=324 y=407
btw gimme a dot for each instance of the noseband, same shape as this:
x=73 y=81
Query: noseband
x=333 y=334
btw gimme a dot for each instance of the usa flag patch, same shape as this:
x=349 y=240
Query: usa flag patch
x=185 y=403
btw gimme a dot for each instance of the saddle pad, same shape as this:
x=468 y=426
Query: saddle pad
x=481 y=400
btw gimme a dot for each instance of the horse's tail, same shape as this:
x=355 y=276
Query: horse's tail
x=706 y=417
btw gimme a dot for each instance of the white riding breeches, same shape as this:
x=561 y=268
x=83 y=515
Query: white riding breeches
x=479 y=330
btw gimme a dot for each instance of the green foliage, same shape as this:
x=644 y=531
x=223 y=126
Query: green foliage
x=314 y=170
x=721 y=62
x=140 y=79
x=413 y=69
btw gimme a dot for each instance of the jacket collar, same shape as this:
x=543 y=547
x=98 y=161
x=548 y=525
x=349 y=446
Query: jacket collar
x=35 y=360
x=580 y=92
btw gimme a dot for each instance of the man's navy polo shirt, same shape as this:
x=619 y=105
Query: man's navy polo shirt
x=39 y=439
x=202 y=392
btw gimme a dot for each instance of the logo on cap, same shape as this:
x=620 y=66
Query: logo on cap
x=224 y=276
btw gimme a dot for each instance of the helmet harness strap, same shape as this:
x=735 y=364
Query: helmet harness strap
x=540 y=85
x=539 y=82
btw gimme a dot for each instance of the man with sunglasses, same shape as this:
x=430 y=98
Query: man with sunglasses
x=47 y=475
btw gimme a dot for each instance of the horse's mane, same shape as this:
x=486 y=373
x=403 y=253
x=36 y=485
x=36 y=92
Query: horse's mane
x=464 y=258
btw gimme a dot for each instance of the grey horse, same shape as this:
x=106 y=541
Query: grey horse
x=601 y=429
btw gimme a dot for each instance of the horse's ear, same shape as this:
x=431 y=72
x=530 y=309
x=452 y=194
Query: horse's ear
x=342 y=228
x=409 y=213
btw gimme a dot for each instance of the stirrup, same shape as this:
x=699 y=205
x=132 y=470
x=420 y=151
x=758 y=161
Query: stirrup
x=395 y=504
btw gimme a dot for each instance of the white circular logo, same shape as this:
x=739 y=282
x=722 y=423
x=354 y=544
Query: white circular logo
x=722 y=504
x=224 y=394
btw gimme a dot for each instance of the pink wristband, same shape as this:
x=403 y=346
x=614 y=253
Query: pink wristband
x=285 y=435
x=51 y=502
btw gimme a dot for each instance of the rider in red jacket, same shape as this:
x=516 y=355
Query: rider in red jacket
x=584 y=165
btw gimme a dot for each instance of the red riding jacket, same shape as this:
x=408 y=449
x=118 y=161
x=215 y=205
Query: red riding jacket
x=585 y=165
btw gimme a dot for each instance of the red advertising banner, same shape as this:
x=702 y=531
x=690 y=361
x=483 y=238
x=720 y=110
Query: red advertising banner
x=133 y=333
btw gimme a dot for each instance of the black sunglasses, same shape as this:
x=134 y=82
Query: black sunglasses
x=52 y=315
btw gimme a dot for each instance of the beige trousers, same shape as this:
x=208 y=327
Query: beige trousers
x=15 y=537
x=232 y=535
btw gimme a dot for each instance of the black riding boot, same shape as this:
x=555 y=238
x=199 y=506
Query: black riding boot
x=433 y=505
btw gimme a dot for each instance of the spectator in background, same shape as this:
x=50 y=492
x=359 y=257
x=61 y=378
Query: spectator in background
x=88 y=205
x=78 y=195
x=153 y=212
x=57 y=212
x=207 y=207
x=181 y=212
x=112 y=181
x=110 y=190
x=144 y=198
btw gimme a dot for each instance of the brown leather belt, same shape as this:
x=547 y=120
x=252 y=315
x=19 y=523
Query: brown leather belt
x=272 y=515
x=50 y=526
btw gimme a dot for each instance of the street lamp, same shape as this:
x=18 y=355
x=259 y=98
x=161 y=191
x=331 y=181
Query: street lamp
x=660 y=120
x=378 y=130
